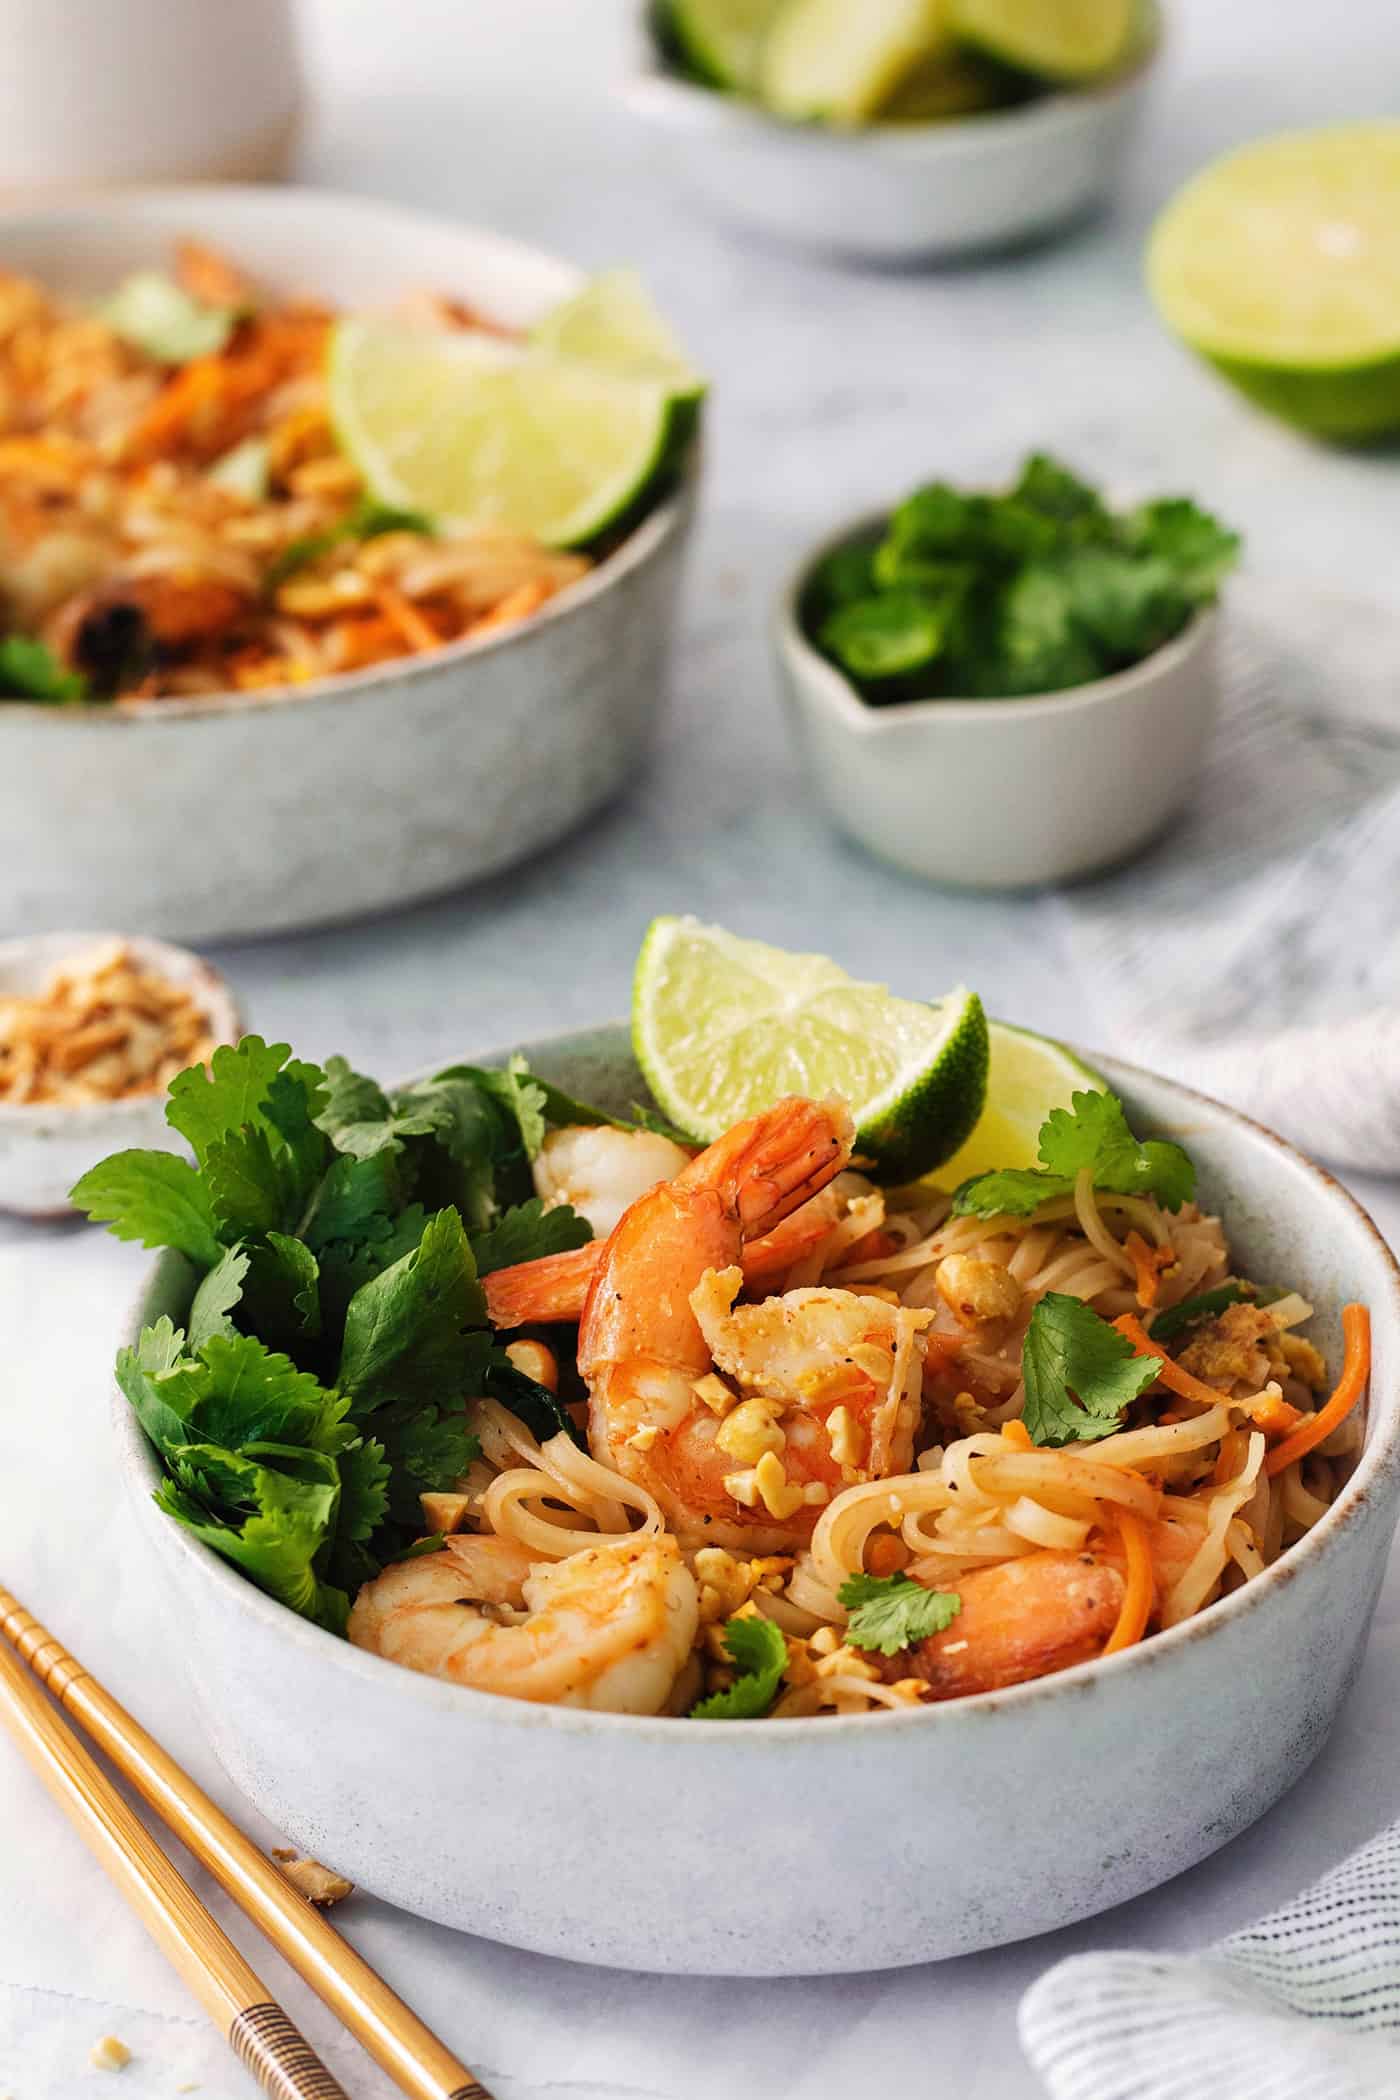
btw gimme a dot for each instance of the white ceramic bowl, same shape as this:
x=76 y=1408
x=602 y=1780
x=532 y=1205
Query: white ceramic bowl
x=251 y=813
x=790 y=1847
x=46 y=1146
x=1002 y=794
x=893 y=193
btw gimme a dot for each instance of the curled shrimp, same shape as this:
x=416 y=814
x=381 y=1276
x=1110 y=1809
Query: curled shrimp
x=555 y=1287
x=658 y=1413
x=599 y=1171
x=609 y=1628
x=1022 y=1619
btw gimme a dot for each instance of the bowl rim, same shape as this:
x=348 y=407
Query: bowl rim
x=655 y=92
x=1379 y=1460
x=824 y=680
x=209 y=986
x=642 y=541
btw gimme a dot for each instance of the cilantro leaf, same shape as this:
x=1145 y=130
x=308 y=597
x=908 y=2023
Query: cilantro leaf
x=282 y=1296
x=1093 y=1132
x=427 y=1449
x=899 y=632
x=1199 y=549
x=231 y=1391
x=244 y=1180
x=214 y=1301
x=152 y=1197
x=892 y=1612
x=759 y=1653
x=1079 y=1373
x=526 y=1232
x=364 y=1505
x=1040 y=646
x=1047 y=486
x=1128 y=605
x=29 y=670
x=405 y=1329
x=270 y=1512
x=208 y=1104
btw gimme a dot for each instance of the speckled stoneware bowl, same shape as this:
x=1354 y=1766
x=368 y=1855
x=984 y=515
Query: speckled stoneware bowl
x=252 y=813
x=894 y=193
x=1001 y=794
x=790 y=1847
x=46 y=1145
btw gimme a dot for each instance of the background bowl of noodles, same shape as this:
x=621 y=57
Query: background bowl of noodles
x=254 y=812
x=836 y=1843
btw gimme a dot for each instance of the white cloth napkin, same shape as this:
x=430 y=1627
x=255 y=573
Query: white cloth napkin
x=1219 y=956
x=1305 y=2005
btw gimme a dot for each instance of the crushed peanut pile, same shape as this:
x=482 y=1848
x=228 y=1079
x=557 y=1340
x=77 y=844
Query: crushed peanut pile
x=104 y=1027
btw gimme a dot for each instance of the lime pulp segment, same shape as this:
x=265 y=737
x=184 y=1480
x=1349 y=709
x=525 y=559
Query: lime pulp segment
x=721 y=39
x=477 y=432
x=841 y=60
x=1070 y=40
x=613 y=325
x=1028 y=1076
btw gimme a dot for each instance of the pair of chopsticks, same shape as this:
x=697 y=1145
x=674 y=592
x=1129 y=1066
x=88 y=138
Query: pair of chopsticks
x=254 y=2025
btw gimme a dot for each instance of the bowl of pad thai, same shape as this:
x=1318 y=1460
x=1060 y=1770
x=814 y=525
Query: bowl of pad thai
x=322 y=519
x=723 y=1553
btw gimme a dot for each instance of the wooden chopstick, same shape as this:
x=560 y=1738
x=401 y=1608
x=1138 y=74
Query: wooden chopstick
x=234 y=1996
x=379 y=2020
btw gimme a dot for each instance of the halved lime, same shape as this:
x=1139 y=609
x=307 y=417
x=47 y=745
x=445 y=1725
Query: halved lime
x=721 y=38
x=474 y=431
x=949 y=84
x=613 y=324
x=1280 y=265
x=723 y=1027
x=841 y=60
x=1057 y=39
x=1027 y=1076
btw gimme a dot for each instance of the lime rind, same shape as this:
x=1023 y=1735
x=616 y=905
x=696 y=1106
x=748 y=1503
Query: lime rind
x=1028 y=1076
x=1070 y=41
x=720 y=40
x=476 y=432
x=724 y=1026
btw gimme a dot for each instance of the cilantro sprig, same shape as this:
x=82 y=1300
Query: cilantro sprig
x=336 y=1325
x=1040 y=587
x=759 y=1654
x=891 y=1612
x=1092 y=1133
x=1079 y=1373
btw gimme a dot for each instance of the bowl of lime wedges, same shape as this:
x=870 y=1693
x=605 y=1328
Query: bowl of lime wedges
x=890 y=131
x=206 y=813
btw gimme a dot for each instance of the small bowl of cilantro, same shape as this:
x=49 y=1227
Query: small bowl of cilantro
x=1001 y=688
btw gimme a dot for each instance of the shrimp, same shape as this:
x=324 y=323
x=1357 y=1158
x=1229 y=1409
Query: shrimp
x=555 y=1286
x=1022 y=1619
x=609 y=1628
x=600 y=1171
x=657 y=1412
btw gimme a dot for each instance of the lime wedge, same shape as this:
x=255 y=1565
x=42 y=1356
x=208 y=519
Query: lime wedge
x=1027 y=1076
x=723 y=1027
x=474 y=431
x=1280 y=265
x=1057 y=39
x=841 y=60
x=720 y=39
x=612 y=324
x=949 y=84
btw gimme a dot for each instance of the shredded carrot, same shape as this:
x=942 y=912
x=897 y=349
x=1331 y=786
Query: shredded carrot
x=886 y=1555
x=419 y=632
x=1148 y=1264
x=1356 y=1368
x=1171 y=1374
x=1275 y=1415
x=516 y=605
x=1017 y=1433
x=1140 y=1591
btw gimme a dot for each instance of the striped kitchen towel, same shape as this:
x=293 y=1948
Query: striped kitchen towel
x=1305 y=2005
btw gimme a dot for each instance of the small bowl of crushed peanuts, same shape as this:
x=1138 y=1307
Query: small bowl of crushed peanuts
x=93 y=1027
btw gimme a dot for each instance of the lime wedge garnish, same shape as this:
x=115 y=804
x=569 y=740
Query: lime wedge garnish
x=474 y=431
x=1281 y=266
x=1028 y=1075
x=720 y=39
x=948 y=84
x=1057 y=39
x=723 y=1027
x=613 y=324
x=841 y=60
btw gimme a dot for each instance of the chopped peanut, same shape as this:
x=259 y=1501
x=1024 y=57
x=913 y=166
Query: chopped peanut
x=642 y=1439
x=109 y=2054
x=846 y=1437
x=977 y=1291
x=318 y=1884
x=715 y=1393
x=743 y=1487
x=537 y=1360
x=782 y=1498
x=749 y=1431
x=443 y=1514
x=104 y=1027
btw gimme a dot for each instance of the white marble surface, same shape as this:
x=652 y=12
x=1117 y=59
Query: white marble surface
x=832 y=389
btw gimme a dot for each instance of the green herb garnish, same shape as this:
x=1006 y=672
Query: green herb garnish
x=1079 y=1373
x=1166 y=1325
x=366 y=521
x=1035 y=590
x=759 y=1653
x=156 y=315
x=30 y=671
x=1092 y=1133
x=891 y=1612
